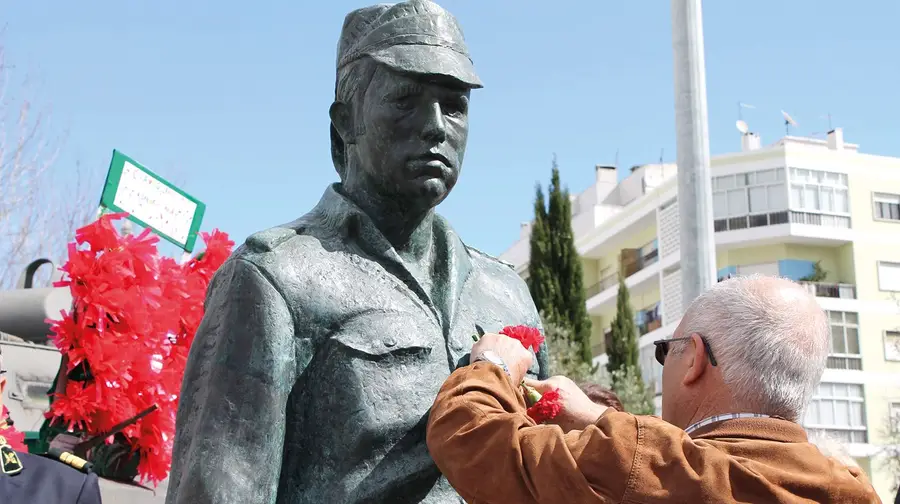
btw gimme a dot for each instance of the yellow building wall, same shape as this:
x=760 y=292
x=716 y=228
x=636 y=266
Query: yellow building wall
x=590 y=271
x=867 y=251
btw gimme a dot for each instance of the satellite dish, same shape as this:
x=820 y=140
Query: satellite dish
x=742 y=127
x=788 y=119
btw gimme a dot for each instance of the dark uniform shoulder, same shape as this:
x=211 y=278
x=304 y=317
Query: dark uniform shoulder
x=45 y=480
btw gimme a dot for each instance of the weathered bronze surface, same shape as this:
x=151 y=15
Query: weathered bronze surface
x=325 y=340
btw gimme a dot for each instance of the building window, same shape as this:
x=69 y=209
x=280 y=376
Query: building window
x=838 y=410
x=844 y=347
x=819 y=191
x=887 y=206
x=894 y=412
x=889 y=276
x=892 y=345
x=759 y=192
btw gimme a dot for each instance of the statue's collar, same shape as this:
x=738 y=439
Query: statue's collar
x=452 y=260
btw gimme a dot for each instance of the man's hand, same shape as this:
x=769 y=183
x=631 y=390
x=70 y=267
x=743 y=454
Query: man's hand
x=578 y=411
x=516 y=357
x=65 y=442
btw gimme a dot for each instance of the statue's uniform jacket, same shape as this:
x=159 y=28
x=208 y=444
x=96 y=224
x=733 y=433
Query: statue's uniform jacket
x=318 y=358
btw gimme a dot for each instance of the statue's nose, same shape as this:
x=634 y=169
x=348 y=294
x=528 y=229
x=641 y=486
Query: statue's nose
x=435 y=127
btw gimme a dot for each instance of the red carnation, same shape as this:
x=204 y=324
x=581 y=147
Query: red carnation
x=546 y=408
x=530 y=337
x=14 y=438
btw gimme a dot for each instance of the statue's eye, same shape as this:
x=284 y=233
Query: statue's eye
x=456 y=106
x=405 y=102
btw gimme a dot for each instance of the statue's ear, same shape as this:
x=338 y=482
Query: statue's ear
x=342 y=120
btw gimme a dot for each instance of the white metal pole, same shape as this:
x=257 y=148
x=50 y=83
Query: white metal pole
x=698 y=254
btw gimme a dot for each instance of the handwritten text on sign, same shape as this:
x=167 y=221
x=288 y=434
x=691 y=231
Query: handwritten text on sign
x=155 y=203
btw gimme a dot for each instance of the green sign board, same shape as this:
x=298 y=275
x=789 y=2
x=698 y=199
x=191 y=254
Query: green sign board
x=152 y=202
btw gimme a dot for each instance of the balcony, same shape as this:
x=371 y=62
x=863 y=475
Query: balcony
x=830 y=290
x=631 y=261
x=783 y=217
x=648 y=319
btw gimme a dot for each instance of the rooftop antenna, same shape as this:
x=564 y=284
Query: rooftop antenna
x=788 y=122
x=661 y=154
x=741 y=107
x=742 y=127
x=828 y=117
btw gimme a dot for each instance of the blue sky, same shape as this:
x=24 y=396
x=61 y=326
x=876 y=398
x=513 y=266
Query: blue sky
x=229 y=99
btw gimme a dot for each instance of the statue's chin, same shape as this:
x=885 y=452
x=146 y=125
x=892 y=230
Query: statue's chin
x=430 y=192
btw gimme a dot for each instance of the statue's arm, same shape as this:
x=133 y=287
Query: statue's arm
x=231 y=419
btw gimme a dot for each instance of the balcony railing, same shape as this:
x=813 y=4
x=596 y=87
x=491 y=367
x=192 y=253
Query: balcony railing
x=604 y=283
x=783 y=217
x=650 y=257
x=844 y=361
x=831 y=290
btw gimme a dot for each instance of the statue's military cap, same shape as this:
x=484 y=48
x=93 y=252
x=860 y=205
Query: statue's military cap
x=417 y=36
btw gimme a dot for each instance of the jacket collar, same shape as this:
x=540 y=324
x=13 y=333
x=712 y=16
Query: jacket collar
x=771 y=429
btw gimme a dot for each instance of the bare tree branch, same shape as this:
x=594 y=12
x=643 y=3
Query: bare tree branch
x=40 y=204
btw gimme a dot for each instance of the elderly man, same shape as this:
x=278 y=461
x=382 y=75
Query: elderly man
x=738 y=373
x=326 y=340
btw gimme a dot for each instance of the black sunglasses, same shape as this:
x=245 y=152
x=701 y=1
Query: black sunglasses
x=662 y=349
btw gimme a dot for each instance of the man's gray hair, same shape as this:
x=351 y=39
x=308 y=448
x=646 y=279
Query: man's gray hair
x=770 y=338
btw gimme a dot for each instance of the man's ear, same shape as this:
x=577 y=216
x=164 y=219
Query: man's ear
x=2 y=387
x=342 y=120
x=698 y=359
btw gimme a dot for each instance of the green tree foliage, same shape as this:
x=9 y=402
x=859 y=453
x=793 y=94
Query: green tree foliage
x=818 y=273
x=636 y=396
x=623 y=350
x=565 y=356
x=555 y=272
x=565 y=360
x=541 y=281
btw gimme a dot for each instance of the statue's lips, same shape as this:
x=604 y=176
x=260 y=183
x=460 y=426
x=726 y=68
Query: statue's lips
x=431 y=165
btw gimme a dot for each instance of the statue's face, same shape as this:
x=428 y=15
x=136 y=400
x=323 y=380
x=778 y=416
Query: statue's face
x=414 y=139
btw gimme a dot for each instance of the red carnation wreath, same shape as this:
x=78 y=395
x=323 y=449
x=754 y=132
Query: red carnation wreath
x=133 y=319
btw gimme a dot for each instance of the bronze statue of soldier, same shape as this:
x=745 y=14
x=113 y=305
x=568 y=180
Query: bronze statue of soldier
x=326 y=339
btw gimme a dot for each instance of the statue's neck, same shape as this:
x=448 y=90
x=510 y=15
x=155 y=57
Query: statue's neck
x=408 y=230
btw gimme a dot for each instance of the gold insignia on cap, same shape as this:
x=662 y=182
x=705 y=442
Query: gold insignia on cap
x=9 y=459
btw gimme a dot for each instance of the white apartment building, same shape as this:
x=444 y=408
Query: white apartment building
x=778 y=210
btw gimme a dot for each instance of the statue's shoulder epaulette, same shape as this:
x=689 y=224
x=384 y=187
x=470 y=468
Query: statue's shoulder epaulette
x=9 y=460
x=70 y=460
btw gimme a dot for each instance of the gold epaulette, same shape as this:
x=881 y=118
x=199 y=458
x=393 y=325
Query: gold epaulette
x=71 y=459
x=9 y=460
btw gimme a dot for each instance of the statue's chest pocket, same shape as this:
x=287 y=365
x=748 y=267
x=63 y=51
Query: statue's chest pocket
x=388 y=339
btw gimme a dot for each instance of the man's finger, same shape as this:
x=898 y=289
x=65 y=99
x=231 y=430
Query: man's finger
x=539 y=385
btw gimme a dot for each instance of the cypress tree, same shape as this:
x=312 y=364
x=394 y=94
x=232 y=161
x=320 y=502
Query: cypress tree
x=569 y=299
x=623 y=353
x=541 y=281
